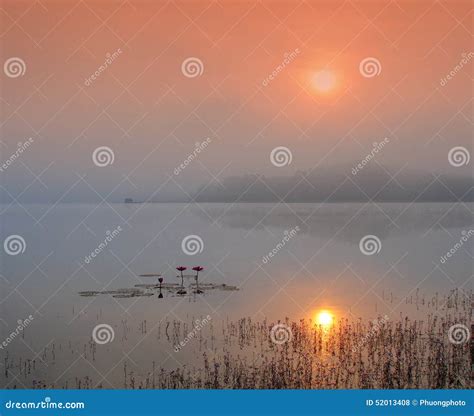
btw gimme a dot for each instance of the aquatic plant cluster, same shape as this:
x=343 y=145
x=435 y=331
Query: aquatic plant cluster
x=395 y=353
x=173 y=289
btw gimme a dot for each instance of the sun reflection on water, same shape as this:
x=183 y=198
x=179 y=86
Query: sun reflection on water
x=324 y=318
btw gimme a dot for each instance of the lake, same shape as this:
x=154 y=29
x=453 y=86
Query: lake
x=267 y=262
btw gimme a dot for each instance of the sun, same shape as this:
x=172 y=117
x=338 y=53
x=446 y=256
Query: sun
x=324 y=81
x=324 y=318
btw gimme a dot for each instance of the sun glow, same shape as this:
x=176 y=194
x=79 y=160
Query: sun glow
x=324 y=81
x=325 y=318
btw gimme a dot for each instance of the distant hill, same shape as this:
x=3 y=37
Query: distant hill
x=333 y=186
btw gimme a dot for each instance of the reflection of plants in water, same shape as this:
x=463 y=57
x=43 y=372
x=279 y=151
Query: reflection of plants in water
x=160 y=281
x=146 y=290
x=396 y=353
x=399 y=353
x=181 y=291
x=320 y=220
x=197 y=269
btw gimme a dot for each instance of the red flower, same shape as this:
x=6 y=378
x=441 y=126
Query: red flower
x=198 y=269
x=181 y=268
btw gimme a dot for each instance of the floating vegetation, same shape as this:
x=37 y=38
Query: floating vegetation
x=156 y=286
x=211 y=286
x=146 y=290
x=88 y=293
x=124 y=291
x=133 y=295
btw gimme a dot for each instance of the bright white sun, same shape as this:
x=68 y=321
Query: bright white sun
x=324 y=81
x=324 y=318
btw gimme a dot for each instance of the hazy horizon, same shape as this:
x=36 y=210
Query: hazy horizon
x=340 y=185
x=269 y=76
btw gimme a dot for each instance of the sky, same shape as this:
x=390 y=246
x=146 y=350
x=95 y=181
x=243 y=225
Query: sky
x=272 y=88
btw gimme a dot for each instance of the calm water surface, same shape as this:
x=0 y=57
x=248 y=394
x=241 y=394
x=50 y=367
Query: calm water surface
x=319 y=265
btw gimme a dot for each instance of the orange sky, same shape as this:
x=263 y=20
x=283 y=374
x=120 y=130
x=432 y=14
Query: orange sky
x=151 y=115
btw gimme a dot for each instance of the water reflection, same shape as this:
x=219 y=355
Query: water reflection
x=319 y=268
x=325 y=318
x=342 y=221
